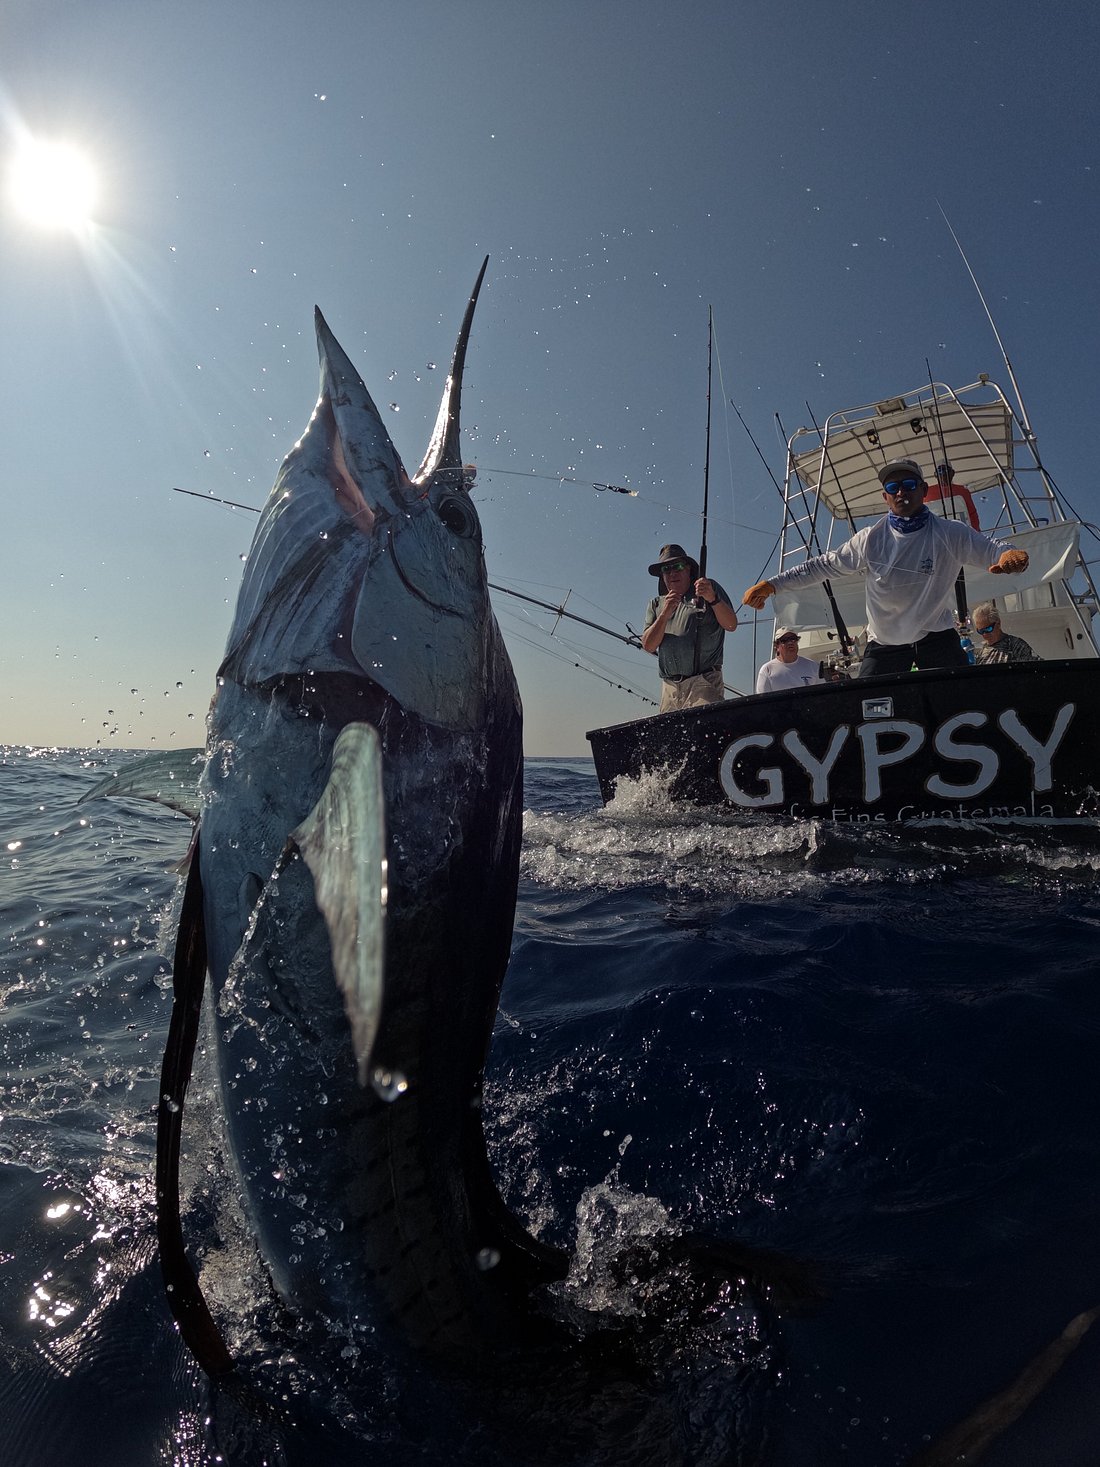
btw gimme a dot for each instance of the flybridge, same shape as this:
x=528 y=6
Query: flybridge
x=832 y=489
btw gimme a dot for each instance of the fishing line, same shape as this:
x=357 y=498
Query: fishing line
x=213 y=499
x=554 y=633
x=665 y=504
x=580 y=667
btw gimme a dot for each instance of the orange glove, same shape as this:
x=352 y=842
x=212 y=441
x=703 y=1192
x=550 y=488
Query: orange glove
x=756 y=595
x=1010 y=561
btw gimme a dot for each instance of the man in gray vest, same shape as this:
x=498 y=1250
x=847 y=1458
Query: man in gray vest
x=687 y=637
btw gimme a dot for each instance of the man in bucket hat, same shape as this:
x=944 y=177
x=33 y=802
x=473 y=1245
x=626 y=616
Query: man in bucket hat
x=910 y=559
x=687 y=637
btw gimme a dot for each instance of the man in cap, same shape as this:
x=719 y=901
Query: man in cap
x=787 y=669
x=955 y=499
x=997 y=644
x=910 y=559
x=687 y=638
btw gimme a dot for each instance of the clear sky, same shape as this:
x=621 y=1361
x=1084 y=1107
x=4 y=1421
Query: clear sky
x=625 y=166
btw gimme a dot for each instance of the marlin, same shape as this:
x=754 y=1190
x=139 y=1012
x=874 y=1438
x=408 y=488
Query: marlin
x=351 y=889
x=351 y=892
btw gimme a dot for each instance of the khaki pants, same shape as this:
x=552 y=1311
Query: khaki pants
x=693 y=692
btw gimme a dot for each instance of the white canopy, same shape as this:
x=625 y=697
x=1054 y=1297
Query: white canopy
x=975 y=438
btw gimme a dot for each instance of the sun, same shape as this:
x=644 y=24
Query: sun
x=53 y=185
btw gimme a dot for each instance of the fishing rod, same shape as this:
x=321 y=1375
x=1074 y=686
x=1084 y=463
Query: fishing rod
x=842 y=632
x=706 y=460
x=838 y=620
x=213 y=499
x=1025 y=422
x=632 y=640
x=601 y=675
x=771 y=476
x=989 y=317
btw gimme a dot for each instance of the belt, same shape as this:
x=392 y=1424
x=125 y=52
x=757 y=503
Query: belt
x=681 y=677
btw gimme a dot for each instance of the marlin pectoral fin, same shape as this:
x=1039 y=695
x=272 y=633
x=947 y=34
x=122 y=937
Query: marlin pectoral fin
x=170 y=777
x=343 y=842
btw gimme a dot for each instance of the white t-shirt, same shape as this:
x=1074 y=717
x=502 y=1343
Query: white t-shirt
x=779 y=674
x=910 y=578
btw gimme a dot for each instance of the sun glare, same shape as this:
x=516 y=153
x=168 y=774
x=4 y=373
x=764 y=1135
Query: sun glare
x=53 y=185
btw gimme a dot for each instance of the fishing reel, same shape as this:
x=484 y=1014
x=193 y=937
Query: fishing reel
x=837 y=665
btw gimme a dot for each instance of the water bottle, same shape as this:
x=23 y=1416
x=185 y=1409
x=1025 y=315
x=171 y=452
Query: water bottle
x=968 y=647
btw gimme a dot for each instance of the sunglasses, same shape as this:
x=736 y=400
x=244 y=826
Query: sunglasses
x=677 y=565
x=895 y=486
x=991 y=627
x=783 y=641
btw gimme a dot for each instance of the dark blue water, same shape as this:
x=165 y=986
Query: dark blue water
x=873 y=1053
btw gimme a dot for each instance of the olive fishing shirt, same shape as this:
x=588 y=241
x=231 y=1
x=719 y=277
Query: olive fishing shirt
x=676 y=656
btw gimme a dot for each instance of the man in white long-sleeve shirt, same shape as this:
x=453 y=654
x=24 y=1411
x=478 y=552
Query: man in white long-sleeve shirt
x=911 y=559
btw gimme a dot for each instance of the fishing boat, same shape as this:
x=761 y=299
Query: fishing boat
x=1012 y=741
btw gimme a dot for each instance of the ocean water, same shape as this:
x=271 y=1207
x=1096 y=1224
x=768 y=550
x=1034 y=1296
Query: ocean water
x=871 y=1052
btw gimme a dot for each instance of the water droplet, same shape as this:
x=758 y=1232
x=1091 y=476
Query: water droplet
x=389 y=1085
x=394 y=408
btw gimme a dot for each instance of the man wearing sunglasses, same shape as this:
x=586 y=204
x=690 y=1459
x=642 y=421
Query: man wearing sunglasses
x=910 y=559
x=686 y=627
x=787 y=669
x=998 y=645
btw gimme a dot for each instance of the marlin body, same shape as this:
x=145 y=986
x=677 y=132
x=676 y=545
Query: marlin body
x=357 y=858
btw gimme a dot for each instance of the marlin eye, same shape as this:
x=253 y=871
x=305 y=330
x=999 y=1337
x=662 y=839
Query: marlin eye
x=458 y=515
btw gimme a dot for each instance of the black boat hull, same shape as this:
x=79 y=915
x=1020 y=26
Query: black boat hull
x=1015 y=741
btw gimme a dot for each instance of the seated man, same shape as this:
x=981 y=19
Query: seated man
x=787 y=669
x=997 y=645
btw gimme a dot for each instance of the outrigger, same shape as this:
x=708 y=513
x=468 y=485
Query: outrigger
x=1011 y=741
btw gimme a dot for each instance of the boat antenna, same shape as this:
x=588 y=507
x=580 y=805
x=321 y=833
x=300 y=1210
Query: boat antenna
x=989 y=317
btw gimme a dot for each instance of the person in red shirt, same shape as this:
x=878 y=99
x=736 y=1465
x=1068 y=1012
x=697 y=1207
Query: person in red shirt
x=946 y=489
